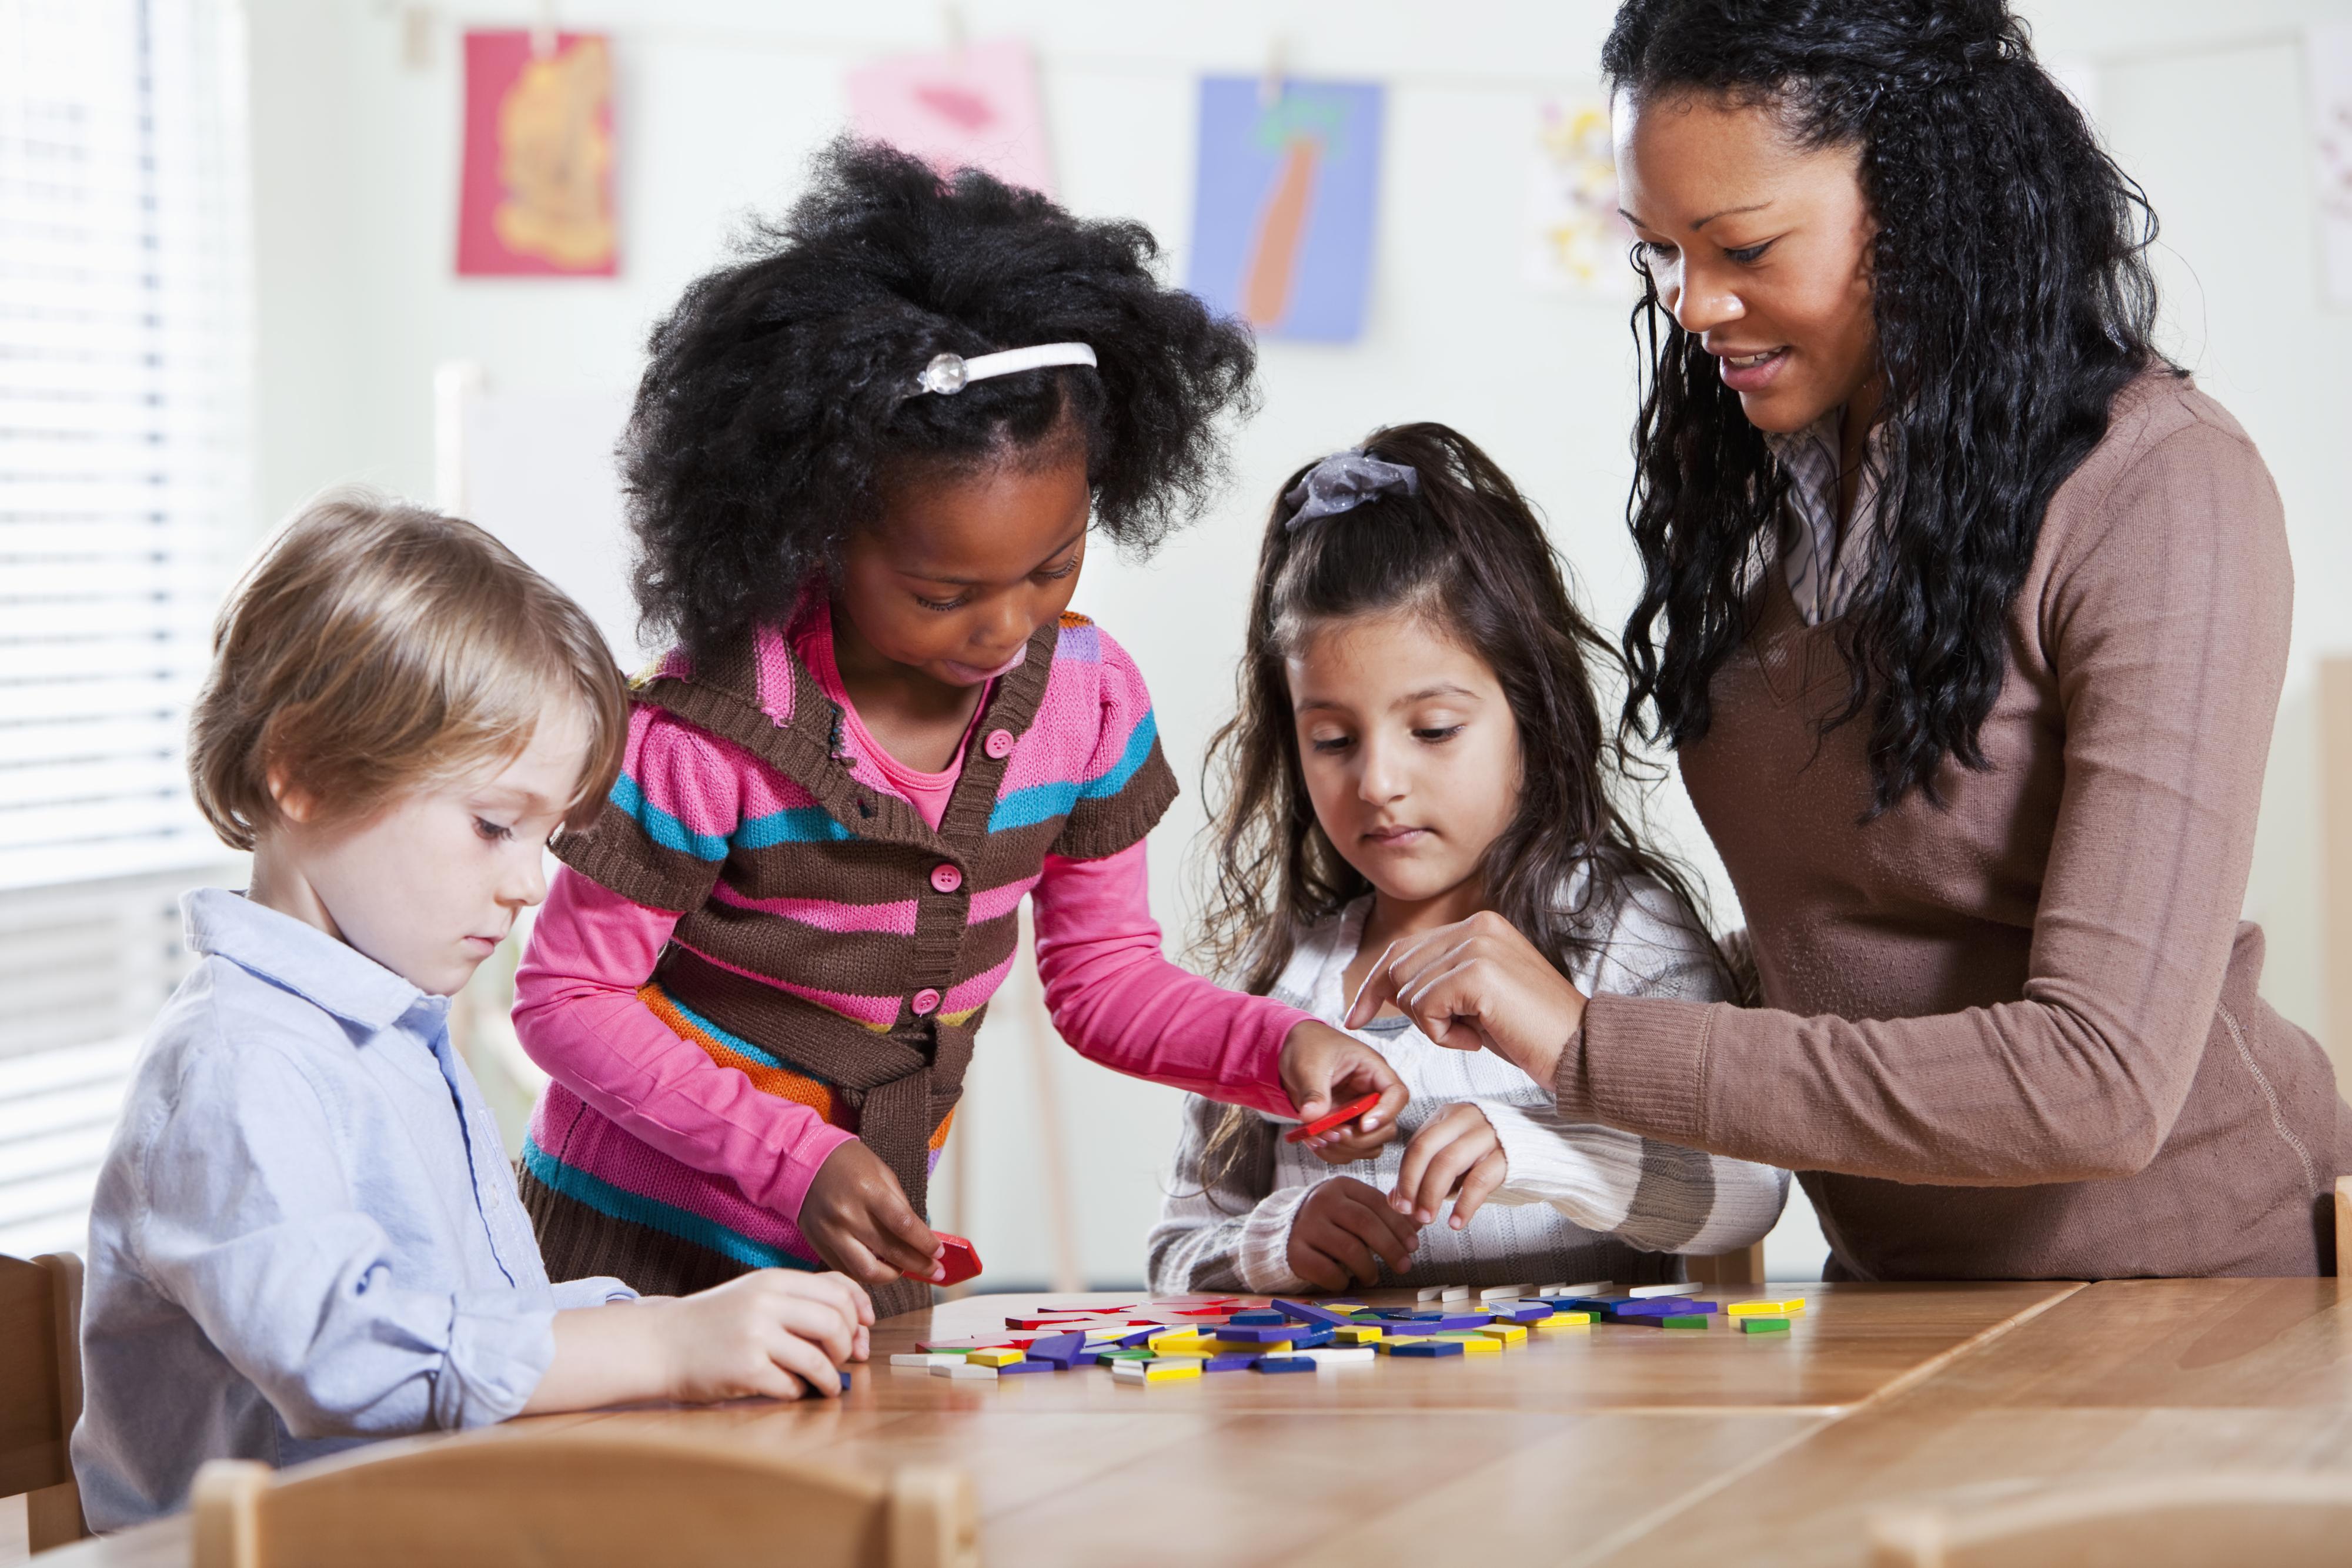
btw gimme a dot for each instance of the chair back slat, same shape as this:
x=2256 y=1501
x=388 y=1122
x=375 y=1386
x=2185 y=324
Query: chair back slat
x=582 y=1500
x=33 y=1423
x=2181 y=1521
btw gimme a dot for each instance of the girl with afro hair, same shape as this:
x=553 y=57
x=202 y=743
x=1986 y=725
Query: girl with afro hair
x=863 y=469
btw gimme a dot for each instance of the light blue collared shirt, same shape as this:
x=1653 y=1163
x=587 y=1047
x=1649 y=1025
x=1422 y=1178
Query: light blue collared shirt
x=306 y=1234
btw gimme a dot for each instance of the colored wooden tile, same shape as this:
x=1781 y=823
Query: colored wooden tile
x=1685 y=1320
x=1362 y=1333
x=1023 y=1368
x=1766 y=1309
x=970 y=1370
x=1682 y=1287
x=1473 y=1344
x=1232 y=1361
x=997 y=1357
x=1763 y=1325
x=1341 y=1355
x=1309 y=1313
x=1504 y=1334
x=1428 y=1349
x=1273 y=1364
x=1560 y=1321
x=1257 y=1318
x=924 y=1361
x=1499 y=1292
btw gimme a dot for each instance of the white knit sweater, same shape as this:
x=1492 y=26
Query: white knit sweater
x=1579 y=1202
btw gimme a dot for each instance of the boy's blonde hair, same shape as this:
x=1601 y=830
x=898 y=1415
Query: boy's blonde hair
x=376 y=646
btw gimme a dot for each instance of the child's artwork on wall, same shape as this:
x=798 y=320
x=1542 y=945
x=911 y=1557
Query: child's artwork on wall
x=1576 y=242
x=2329 y=50
x=1282 y=215
x=537 y=196
x=974 y=107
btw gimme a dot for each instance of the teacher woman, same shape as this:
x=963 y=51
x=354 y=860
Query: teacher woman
x=1966 y=613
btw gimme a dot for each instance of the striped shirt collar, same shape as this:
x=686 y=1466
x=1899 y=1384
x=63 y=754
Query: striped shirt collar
x=1826 y=572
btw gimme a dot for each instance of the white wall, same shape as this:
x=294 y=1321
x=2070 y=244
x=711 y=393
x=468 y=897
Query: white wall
x=719 y=102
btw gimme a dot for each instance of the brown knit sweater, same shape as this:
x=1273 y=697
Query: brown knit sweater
x=2019 y=1036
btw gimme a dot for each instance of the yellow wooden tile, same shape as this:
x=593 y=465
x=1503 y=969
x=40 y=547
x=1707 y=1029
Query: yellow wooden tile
x=999 y=1357
x=1562 y=1321
x=1507 y=1333
x=1766 y=1309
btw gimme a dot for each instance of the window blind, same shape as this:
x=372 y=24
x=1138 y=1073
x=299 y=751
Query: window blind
x=124 y=342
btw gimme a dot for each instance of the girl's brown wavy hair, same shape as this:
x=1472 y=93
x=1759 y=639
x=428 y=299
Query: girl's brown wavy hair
x=1469 y=556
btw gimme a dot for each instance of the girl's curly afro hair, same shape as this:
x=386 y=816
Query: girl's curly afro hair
x=776 y=404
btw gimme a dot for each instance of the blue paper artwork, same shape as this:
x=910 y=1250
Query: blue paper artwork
x=1283 y=209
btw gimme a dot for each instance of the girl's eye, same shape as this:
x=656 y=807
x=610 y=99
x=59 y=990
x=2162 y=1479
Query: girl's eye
x=943 y=605
x=1747 y=254
x=1656 y=249
x=1329 y=744
x=490 y=832
x=1437 y=736
x=1061 y=571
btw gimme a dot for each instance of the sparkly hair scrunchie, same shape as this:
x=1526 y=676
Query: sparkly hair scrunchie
x=1344 y=481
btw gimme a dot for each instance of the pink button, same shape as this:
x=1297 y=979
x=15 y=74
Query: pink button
x=998 y=744
x=946 y=878
x=926 y=1002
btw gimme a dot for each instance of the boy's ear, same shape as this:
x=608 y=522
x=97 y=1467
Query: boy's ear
x=295 y=803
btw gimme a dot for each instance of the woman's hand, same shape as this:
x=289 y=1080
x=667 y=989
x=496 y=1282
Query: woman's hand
x=1323 y=1069
x=857 y=1218
x=1344 y=1231
x=1455 y=1155
x=1478 y=982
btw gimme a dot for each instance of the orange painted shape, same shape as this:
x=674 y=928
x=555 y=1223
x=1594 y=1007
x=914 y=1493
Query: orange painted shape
x=1272 y=266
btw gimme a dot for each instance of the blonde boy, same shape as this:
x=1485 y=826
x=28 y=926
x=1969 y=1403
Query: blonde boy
x=306 y=1233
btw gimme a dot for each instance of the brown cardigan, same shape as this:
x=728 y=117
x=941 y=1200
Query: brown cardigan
x=2019 y=1037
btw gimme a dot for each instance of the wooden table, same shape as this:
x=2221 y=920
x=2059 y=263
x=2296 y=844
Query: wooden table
x=1614 y=1445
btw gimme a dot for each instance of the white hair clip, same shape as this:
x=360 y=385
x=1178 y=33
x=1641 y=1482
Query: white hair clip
x=952 y=373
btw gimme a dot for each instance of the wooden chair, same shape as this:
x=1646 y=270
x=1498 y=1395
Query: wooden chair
x=1745 y=1267
x=40 y=1371
x=2343 y=1228
x=581 y=1499
x=2181 y=1521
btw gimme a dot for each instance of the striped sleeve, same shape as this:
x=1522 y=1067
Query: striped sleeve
x=1227 y=1227
x=667 y=827
x=1655 y=1195
x=1127 y=785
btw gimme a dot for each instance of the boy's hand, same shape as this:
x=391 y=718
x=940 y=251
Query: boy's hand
x=1455 y=1154
x=857 y=1218
x=1344 y=1231
x=775 y=1332
x=1323 y=1069
x=1478 y=982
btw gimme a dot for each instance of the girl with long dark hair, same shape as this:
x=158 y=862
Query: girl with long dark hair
x=1966 y=614
x=1417 y=743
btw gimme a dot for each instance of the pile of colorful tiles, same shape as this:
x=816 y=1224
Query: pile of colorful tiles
x=1187 y=1336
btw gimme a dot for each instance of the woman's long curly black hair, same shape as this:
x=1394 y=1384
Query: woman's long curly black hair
x=2012 y=299
x=775 y=405
x=1470 y=555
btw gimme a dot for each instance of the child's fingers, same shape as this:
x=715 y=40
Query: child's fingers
x=1336 y=1239
x=900 y=1239
x=1319 y=1268
x=849 y=1255
x=1433 y=1135
x=821 y=1323
x=1448 y=1166
x=1484 y=1178
x=807 y=1362
x=1382 y=1230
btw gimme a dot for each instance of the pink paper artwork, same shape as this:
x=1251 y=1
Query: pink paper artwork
x=976 y=107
